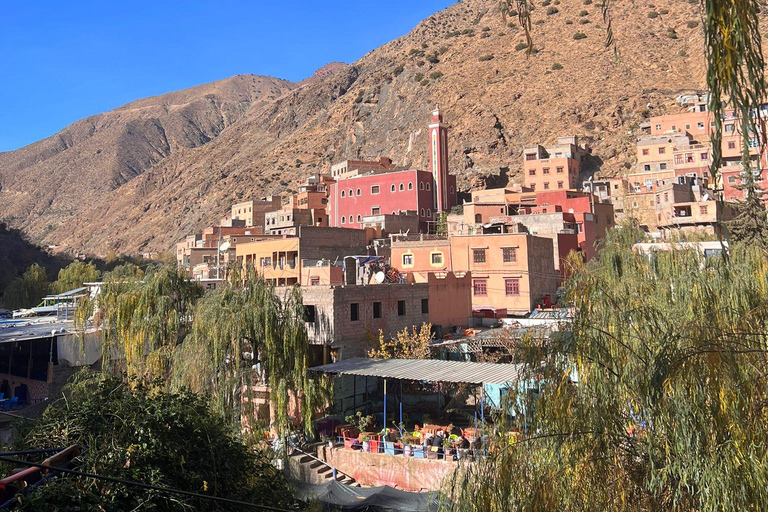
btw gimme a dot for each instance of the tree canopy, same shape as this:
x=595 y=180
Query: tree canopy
x=656 y=399
x=137 y=432
x=74 y=275
x=28 y=290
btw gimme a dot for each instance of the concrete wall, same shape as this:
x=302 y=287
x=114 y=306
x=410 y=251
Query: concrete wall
x=450 y=299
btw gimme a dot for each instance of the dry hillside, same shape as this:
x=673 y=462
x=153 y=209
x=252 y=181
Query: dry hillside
x=139 y=177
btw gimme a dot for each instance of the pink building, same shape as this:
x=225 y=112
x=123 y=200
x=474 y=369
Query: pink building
x=426 y=193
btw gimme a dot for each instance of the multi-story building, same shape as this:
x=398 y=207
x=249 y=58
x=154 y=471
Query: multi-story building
x=553 y=167
x=393 y=191
x=252 y=212
x=511 y=272
x=280 y=260
x=349 y=168
x=703 y=217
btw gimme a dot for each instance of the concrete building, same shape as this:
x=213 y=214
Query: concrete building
x=554 y=167
x=286 y=220
x=701 y=217
x=280 y=260
x=252 y=212
x=391 y=191
x=350 y=168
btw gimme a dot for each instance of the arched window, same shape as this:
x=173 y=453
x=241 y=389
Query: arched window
x=343 y=219
x=421 y=186
x=343 y=194
x=392 y=188
x=429 y=212
x=422 y=212
x=402 y=187
x=359 y=218
x=478 y=218
x=451 y=190
x=428 y=186
x=359 y=192
x=410 y=186
x=350 y=192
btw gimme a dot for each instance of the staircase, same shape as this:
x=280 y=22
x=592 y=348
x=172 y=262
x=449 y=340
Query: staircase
x=308 y=468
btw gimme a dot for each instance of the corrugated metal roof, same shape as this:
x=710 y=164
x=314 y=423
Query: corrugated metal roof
x=433 y=370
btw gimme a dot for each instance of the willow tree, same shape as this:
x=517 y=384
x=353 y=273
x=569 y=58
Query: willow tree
x=657 y=399
x=245 y=332
x=74 y=276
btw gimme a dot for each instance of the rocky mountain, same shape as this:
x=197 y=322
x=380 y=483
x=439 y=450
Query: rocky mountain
x=140 y=177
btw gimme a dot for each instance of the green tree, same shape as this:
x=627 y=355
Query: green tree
x=28 y=290
x=654 y=400
x=74 y=275
x=135 y=432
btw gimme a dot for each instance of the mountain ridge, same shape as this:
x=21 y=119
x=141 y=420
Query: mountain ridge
x=178 y=169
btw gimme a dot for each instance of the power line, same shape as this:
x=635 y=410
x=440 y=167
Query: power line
x=141 y=485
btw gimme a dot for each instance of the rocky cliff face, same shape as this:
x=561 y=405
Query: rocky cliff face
x=139 y=177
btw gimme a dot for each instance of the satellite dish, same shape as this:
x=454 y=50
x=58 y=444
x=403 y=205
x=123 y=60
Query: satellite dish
x=224 y=247
x=379 y=277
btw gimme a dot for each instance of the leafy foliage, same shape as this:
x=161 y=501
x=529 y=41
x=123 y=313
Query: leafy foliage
x=28 y=290
x=405 y=344
x=136 y=432
x=74 y=275
x=750 y=225
x=656 y=400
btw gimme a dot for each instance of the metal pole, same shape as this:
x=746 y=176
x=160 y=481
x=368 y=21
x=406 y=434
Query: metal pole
x=482 y=415
x=385 y=406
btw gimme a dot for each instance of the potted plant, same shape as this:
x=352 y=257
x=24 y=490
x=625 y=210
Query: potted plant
x=366 y=443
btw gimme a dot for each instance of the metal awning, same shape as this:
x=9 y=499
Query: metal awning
x=431 y=370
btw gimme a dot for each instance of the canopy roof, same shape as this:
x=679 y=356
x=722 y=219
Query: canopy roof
x=431 y=370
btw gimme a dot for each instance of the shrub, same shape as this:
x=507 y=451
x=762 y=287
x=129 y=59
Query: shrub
x=521 y=46
x=671 y=33
x=424 y=45
x=416 y=52
x=484 y=58
x=584 y=13
x=359 y=98
x=432 y=58
x=579 y=35
x=692 y=24
x=683 y=53
x=556 y=2
x=425 y=81
x=418 y=77
x=546 y=3
x=538 y=22
x=399 y=69
x=587 y=2
x=420 y=63
x=663 y=11
x=552 y=10
x=653 y=14
x=435 y=75
x=557 y=66
x=484 y=35
x=584 y=21
x=486 y=29
x=568 y=22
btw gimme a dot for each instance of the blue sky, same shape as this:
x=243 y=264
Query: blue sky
x=62 y=61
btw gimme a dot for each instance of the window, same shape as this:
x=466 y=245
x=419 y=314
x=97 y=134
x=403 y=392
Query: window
x=375 y=210
x=429 y=212
x=559 y=184
x=663 y=167
x=377 y=310
x=375 y=189
x=393 y=188
x=343 y=194
x=531 y=156
x=704 y=156
x=647 y=167
x=401 y=308
x=424 y=306
x=658 y=127
x=729 y=128
x=421 y=185
x=437 y=258
x=533 y=187
x=410 y=186
x=350 y=192
x=480 y=287
x=422 y=212
x=478 y=255
x=658 y=199
x=532 y=172
x=512 y=287
x=674 y=128
x=559 y=170
x=687 y=127
x=478 y=218
x=402 y=187
x=678 y=159
x=309 y=314
x=451 y=190
x=314 y=281
x=546 y=186
x=662 y=151
x=646 y=151
x=666 y=197
x=428 y=186
x=703 y=209
x=359 y=218
x=509 y=254
x=343 y=219
x=354 y=312
x=545 y=170
x=359 y=192
x=700 y=125
x=731 y=144
x=407 y=260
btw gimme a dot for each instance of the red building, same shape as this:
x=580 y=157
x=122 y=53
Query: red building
x=379 y=193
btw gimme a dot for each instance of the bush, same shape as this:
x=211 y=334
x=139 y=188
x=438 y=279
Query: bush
x=552 y=10
x=432 y=58
x=587 y=2
x=653 y=14
x=399 y=69
x=521 y=46
x=671 y=33
x=579 y=35
x=584 y=13
x=584 y=21
x=683 y=53
x=557 y=66
x=416 y=52
x=486 y=29
x=568 y=22
x=359 y=98
x=663 y=11
x=484 y=35
x=545 y=3
x=692 y=24
x=435 y=75
x=420 y=63
x=419 y=77
x=487 y=57
x=425 y=82
x=538 y=22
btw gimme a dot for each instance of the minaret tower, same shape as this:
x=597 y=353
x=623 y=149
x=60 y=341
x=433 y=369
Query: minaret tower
x=438 y=159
